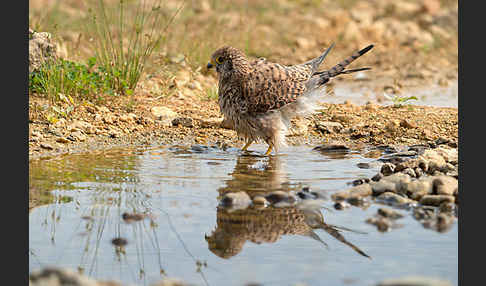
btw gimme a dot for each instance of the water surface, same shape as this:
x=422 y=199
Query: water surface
x=186 y=234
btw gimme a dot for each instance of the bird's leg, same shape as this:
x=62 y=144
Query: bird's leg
x=269 y=150
x=248 y=143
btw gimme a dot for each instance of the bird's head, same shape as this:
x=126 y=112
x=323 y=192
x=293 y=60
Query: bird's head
x=227 y=59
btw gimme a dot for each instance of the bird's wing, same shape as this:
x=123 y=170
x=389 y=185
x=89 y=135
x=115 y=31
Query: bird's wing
x=270 y=86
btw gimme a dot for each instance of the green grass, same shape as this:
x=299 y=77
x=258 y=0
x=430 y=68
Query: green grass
x=63 y=80
x=125 y=37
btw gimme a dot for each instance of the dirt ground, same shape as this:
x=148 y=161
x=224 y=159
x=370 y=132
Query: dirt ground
x=176 y=103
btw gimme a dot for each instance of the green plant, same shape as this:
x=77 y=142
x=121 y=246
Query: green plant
x=399 y=101
x=61 y=80
x=125 y=38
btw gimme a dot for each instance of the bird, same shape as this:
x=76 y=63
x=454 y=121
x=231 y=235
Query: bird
x=259 y=97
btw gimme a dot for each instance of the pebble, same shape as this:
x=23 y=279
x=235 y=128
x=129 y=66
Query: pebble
x=382 y=224
x=360 y=181
x=389 y=213
x=387 y=169
x=414 y=281
x=280 y=196
x=259 y=200
x=46 y=146
x=393 y=199
x=238 y=199
x=436 y=200
x=183 y=121
x=423 y=212
x=359 y=191
x=331 y=148
x=341 y=205
x=445 y=185
x=329 y=127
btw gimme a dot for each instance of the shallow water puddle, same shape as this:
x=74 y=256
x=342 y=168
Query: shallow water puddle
x=181 y=232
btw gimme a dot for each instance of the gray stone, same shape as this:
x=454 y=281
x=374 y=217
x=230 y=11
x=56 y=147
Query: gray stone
x=41 y=50
x=387 y=169
x=183 y=121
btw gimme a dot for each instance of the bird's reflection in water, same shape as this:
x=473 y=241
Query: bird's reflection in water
x=257 y=175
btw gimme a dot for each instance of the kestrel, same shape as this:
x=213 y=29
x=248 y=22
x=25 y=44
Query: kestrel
x=259 y=98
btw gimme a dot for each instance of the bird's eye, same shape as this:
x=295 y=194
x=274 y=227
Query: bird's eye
x=219 y=60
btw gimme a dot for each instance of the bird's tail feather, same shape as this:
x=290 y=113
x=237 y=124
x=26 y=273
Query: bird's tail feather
x=338 y=69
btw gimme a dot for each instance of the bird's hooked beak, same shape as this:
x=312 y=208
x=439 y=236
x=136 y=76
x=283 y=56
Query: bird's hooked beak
x=210 y=64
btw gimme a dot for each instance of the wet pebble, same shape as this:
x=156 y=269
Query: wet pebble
x=382 y=224
x=423 y=213
x=331 y=148
x=447 y=207
x=436 y=200
x=280 y=196
x=132 y=217
x=387 y=169
x=393 y=199
x=360 y=181
x=341 y=205
x=236 y=199
x=444 y=222
x=260 y=201
x=445 y=185
x=414 y=281
x=389 y=213
x=377 y=177
x=362 y=190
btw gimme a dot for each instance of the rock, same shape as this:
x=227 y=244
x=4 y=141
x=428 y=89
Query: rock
x=41 y=50
x=418 y=188
x=407 y=124
x=46 y=146
x=389 y=213
x=405 y=7
x=393 y=199
x=331 y=148
x=170 y=282
x=329 y=126
x=259 y=200
x=436 y=200
x=410 y=172
x=444 y=222
x=62 y=140
x=414 y=281
x=447 y=207
x=391 y=126
x=382 y=224
x=359 y=191
x=382 y=186
x=377 y=177
x=183 y=121
x=341 y=205
x=58 y=277
x=238 y=199
x=80 y=125
x=423 y=213
x=279 y=196
x=77 y=136
x=210 y=122
x=387 y=169
x=433 y=159
x=360 y=181
x=445 y=185
x=163 y=113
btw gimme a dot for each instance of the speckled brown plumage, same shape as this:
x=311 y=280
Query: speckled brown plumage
x=260 y=98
